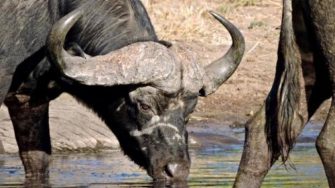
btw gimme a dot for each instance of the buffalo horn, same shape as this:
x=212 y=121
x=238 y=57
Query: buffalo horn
x=221 y=69
x=145 y=63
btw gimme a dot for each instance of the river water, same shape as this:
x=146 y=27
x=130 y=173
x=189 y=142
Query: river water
x=214 y=164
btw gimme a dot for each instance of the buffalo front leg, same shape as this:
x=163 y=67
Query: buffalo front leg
x=325 y=145
x=31 y=129
x=258 y=153
x=323 y=16
x=256 y=157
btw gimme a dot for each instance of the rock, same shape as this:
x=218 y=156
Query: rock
x=72 y=127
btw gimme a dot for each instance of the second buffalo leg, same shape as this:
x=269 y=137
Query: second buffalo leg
x=31 y=129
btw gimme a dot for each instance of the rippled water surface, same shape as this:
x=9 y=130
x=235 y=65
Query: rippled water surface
x=214 y=164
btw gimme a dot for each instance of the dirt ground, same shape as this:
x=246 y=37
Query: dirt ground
x=188 y=22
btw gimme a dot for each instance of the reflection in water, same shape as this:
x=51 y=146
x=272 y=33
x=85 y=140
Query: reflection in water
x=214 y=164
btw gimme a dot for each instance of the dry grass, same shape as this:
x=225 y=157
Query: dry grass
x=189 y=20
x=184 y=20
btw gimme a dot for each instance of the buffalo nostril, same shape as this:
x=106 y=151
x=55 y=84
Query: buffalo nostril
x=171 y=169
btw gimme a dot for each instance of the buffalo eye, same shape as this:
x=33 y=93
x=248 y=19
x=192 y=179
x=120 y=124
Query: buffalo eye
x=144 y=107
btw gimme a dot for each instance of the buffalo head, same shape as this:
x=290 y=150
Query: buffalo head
x=155 y=89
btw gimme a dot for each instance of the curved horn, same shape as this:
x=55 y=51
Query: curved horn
x=221 y=69
x=145 y=63
x=56 y=39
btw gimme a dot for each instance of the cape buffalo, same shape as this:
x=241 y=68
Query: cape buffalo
x=106 y=54
x=306 y=48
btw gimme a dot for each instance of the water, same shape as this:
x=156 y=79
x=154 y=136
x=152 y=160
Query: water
x=214 y=164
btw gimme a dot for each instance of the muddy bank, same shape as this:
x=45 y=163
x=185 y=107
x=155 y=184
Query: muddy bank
x=214 y=164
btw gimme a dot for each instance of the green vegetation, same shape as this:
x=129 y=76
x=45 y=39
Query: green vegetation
x=245 y=2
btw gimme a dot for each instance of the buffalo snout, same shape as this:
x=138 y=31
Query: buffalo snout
x=167 y=152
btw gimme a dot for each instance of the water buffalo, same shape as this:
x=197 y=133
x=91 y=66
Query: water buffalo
x=106 y=54
x=306 y=49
